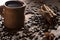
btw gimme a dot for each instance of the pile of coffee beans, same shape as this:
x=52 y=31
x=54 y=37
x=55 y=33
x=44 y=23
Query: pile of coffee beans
x=35 y=24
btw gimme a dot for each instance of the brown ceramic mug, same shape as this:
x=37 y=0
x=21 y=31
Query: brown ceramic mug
x=13 y=13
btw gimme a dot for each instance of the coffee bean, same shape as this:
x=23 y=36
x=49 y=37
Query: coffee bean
x=36 y=38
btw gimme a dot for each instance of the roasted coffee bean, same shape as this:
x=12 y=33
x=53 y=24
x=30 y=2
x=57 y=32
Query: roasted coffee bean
x=58 y=13
x=31 y=37
x=56 y=39
x=29 y=13
x=36 y=38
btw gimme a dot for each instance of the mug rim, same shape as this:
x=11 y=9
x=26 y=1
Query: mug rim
x=24 y=4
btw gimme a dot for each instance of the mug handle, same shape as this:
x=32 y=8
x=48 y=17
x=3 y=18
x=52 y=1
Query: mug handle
x=1 y=10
